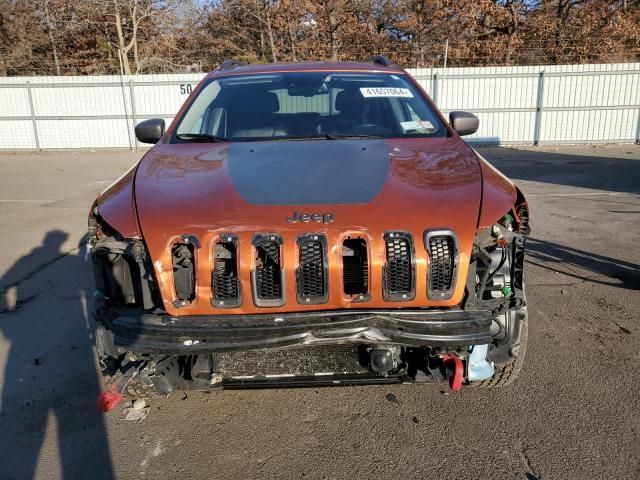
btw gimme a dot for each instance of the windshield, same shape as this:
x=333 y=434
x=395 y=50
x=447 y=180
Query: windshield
x=308 y=105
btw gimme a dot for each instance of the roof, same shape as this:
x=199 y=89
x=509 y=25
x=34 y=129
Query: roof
x=308 y=67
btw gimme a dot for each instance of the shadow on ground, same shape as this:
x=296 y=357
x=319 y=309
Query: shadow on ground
x=618 y=175
x=612 y=174
x=588 y=266
x=50 y=381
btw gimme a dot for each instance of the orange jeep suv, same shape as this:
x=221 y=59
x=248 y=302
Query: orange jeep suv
x=304 y=224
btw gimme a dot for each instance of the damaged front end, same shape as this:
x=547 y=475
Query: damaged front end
x=495 y=283
x=124 y=281
x=144 y=351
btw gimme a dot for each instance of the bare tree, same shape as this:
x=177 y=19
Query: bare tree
x=127 y=17
x=43 y=37
x=332 y=10
x=51 y=29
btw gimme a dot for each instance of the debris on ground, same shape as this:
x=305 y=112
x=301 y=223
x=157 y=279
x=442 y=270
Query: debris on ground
x=136 y=411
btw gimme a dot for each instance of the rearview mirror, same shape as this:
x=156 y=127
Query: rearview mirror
x=150 y=131
x=464 y=123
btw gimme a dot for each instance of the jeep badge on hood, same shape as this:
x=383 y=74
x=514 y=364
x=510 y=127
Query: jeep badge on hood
x=325 y=218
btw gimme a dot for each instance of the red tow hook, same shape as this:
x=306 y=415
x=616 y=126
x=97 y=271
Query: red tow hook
x=455 y=363
x=109 y=400
x=113 y=395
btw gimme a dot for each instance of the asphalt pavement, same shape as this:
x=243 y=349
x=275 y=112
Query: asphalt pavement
x=573 y=414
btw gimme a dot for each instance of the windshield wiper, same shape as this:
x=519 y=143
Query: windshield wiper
x=199 y=137
x=336 y=136
x=321 y=136
x=208 y=138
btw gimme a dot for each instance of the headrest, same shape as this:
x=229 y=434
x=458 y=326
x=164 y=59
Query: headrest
x=261 y=102
x=350 y=103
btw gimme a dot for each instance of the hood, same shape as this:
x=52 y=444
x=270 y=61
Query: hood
x=337 y=188
x=186 y=188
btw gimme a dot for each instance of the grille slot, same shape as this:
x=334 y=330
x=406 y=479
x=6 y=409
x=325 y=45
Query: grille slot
x=311 y=275
x=399 y=270
x=268 y=278
x=118 y=277
x=184 y=278
x=355 y=268
x=443 y=254
x=224 y=279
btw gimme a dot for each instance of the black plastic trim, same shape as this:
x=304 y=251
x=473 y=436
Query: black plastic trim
x=164 y=334
x=228 y=303
x=428 y=235
x=182 y=301
x=318 y=299
x=231 y=64
x=381 y=60
x=256 y=241
x=404 y=296
x=310 y=381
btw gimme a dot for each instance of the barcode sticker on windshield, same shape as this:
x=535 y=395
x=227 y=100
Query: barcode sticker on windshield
x=368 y=92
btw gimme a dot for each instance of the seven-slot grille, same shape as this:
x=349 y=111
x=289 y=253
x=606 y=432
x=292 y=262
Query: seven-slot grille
x=399 y=270
x=442 y=252
x=312 y=285
x=311 y=276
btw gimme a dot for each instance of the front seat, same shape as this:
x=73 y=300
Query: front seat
x=351 y=105
x=252 y=115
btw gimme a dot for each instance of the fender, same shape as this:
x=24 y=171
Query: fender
x=499 y=194
x=116 y=205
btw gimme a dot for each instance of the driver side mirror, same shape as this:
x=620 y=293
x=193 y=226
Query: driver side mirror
x=150 y=131
x=464 y=123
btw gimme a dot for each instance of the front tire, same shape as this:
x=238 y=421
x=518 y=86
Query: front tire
x=506 y=373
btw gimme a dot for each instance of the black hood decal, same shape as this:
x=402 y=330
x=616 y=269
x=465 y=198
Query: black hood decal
x=300 y=172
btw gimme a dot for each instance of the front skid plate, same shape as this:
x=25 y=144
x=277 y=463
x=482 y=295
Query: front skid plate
x=338 y=380
x=311 y=381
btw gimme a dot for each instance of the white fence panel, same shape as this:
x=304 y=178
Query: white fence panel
x=14 y=102
x=584 y=126
x=526 y=105
x=552 y=104
x=503 y=128
x=84 y=133
x=16 y=135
